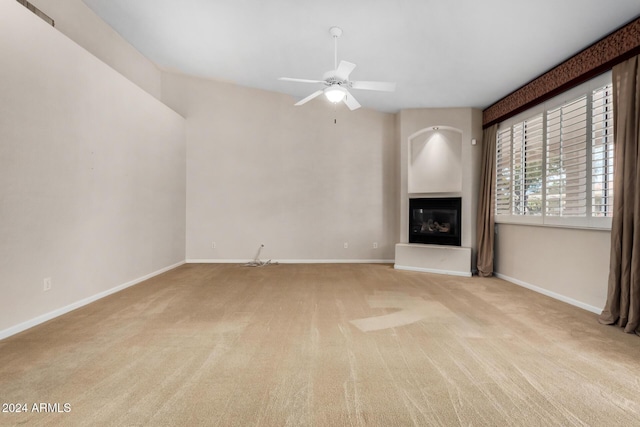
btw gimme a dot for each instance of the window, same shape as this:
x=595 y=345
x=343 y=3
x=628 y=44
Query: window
x=554 y=163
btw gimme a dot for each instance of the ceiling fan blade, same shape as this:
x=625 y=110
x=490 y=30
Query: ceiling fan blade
x=381 y=86
x=290 y=79
x=351 y=102
x=344 y=69
x=309 y=98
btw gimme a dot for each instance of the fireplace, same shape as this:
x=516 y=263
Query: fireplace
x=435 y=221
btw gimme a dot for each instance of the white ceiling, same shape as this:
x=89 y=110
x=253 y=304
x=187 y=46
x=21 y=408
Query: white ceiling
x=456 y=53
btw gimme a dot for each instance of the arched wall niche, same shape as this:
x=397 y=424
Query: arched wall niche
x=435 y=160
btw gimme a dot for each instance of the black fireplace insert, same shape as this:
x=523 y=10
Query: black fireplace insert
x=435 y=221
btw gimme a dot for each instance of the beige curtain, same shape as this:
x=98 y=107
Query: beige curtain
x=623 y=298
x=485 y=220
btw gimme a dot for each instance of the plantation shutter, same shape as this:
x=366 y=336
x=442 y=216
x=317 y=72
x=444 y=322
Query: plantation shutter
x=533 y=156
x=556 y=167
x=602 y=152
x=503 y=172
x=517 y=199
x=566 y=180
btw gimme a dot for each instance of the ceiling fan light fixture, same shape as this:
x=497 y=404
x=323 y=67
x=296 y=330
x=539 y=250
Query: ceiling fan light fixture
x=335 y=93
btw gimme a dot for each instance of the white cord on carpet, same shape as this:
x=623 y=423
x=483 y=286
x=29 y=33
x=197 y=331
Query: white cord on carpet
x=256 y=261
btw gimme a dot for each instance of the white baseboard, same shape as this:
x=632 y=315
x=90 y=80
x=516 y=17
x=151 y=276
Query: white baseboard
x=59 y=312
x=432 y=270
x=217 y=261
x=293 y=261
x=551 y=294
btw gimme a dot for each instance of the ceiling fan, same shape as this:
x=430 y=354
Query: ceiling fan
x=337 y=81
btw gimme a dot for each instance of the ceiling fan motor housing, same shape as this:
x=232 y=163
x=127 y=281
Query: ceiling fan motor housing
x=330 y=78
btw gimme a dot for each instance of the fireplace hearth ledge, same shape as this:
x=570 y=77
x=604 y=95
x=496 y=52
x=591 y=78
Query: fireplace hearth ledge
x=440 y=259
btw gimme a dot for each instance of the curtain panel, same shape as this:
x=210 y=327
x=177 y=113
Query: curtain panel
x=485 y=221
x=623 y=295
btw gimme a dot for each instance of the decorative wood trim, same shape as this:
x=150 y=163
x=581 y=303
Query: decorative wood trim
x=596 y=59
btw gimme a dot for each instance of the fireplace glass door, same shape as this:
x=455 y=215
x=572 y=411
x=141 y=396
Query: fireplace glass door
x=435 y=221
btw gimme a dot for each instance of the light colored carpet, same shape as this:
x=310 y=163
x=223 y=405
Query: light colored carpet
x=323 y=345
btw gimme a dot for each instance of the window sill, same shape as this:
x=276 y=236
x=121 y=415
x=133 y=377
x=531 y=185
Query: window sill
x=598 y=224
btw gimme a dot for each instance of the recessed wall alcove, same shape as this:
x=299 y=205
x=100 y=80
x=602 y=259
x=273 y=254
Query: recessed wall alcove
x=435 y=160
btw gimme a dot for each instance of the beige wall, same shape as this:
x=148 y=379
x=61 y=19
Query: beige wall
x=262 y=171
x=77 y=21
x=568 y=264
x=92 y=175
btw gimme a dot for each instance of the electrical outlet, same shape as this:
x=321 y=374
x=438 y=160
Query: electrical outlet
x=213 y=245
x=375 y=245
x=47 y=283
x=346 y=245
